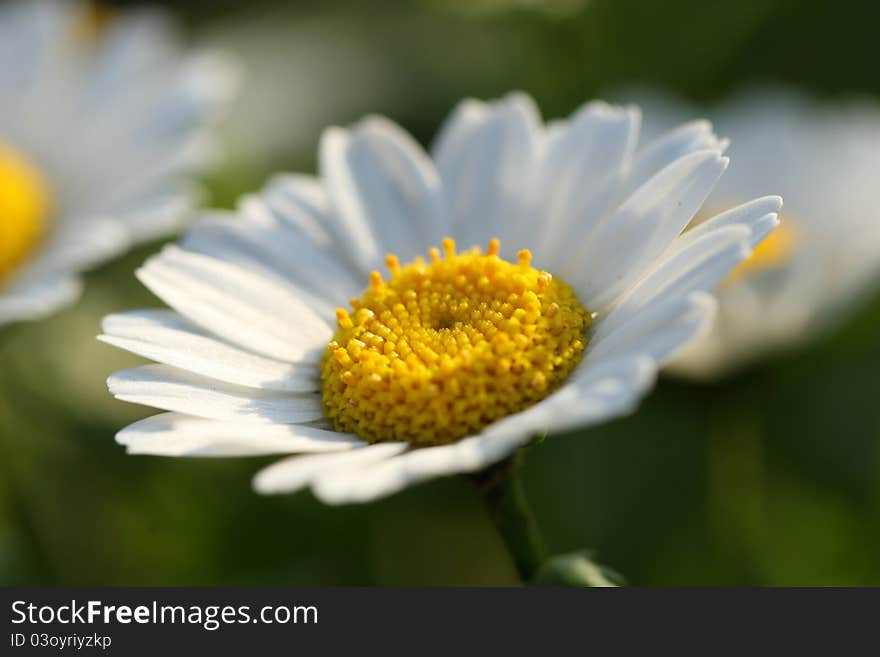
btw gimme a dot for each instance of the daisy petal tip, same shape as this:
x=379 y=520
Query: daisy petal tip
x=122 y=437
x=264 y=483
x=469 y=107
x=521 y=103
x=332 y=139
x=141 y=273
x=761 y=228
x=702 y=300
x=706 y=306
x=517 y=97
x=701 y=126
x=709 y=156
x=648 y=371
x=329 y=492
x=378 y=125
x=634 y=110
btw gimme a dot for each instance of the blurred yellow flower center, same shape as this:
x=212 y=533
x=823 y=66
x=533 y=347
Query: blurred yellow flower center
x=92 y=21
x=446 y=347
x=775 y=249
x=24 y=209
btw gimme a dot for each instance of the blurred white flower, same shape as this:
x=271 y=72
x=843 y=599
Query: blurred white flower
x=451 y=363
x=101 y=124
x=811 y=274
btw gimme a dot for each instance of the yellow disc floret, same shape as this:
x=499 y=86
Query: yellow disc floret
x=24 y=209
x=443 y=348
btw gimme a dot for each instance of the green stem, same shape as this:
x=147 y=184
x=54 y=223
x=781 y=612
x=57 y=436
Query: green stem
x=502 y=491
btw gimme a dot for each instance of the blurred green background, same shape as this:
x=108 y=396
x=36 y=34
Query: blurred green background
x=772 y=477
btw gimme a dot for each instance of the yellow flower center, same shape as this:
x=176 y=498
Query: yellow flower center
x=774 y=250
x=443 y=349
x=24 y=209
x=92 y=21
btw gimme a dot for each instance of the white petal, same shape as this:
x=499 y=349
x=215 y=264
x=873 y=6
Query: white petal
x=597 y=392
x=484 y=160
x=34 y=299
x=205 y=81
x=759 y=215
x=174 y=434
x=136 y=41
x=658 y=331
x=264 y=315
x=166 y=337
x=607 y=390
x=642 y=228
x=136 y=174
x=28 y=31
x=360 y=242
x=383 y=184
x=301 y=203
x=160 y=123
x=171 y=389
x=389 y=476
x=579 y=177
x=297 y=472
x=666 y=149
x=159 y=212
x=77 y=245
x=700 y=266
x=458 y=127
x=275 y=249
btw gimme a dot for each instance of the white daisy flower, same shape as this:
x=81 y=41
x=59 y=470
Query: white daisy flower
x=101 y=122
x=810 y=274
x=445 y=365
